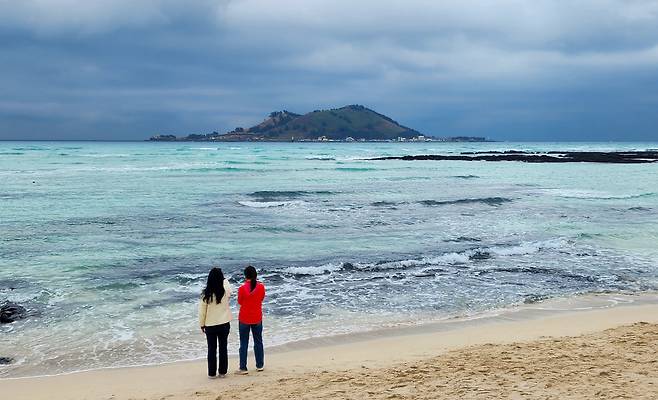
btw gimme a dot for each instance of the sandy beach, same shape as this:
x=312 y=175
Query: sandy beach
x=603 y=353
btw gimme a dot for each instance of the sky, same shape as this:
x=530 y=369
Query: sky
x=505 y=69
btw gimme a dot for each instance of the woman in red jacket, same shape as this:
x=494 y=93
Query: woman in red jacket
x=250 y=299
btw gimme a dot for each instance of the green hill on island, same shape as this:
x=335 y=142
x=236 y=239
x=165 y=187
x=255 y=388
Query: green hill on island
x=354 y=121
x=357 y=122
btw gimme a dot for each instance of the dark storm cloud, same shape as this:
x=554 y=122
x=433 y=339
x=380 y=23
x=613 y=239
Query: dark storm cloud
x=508 y=69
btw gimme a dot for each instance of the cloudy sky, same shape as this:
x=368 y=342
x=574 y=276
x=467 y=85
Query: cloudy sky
x=505 y=69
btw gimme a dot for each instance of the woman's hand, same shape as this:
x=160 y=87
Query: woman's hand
x=203 y=329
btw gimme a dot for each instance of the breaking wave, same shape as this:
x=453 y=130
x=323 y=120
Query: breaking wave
x=320 y=158
x=595 y=195
x=450 y=258
x=354 y=169
x=268 y=204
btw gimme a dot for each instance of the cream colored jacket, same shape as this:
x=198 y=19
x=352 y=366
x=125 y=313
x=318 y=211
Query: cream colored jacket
x=216 y=314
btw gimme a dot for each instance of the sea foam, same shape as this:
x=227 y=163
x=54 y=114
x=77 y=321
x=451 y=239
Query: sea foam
x=269 y=204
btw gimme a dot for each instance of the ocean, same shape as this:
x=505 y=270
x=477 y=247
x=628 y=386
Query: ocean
x=108 y=244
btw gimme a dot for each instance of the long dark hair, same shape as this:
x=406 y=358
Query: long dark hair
x=251 y=274
x=214 y=286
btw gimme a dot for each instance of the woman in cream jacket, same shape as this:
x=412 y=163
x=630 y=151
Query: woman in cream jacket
x=214 y=319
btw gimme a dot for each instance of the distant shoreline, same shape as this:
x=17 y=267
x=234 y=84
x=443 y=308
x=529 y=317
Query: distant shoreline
x=297 y=142
x=412 y=140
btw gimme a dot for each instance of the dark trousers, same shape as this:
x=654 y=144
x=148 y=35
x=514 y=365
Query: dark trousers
x=218 y=334
x=257 y=332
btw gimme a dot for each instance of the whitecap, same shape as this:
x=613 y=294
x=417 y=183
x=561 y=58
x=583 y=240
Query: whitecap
x=594 y=194
x=312 y=270
x=104 y=155
x=321 y=158
x=268 y=204
x=524 y=248
x=452 y=258
x=446 y=258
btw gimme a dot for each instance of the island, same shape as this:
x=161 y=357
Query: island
x=352 y=123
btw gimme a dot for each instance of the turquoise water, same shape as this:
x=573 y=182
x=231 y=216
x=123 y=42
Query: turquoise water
x=108 y=244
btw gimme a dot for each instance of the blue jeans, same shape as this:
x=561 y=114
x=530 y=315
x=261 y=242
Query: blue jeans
x=257 y=332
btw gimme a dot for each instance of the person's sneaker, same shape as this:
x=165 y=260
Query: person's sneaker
x=221 y=376
x=241 y=372
x=212 y=376
x=261 y=369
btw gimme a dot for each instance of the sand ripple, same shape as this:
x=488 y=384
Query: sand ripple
x=616 y=363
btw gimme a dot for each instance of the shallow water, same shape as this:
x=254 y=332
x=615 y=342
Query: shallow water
x=108 y=244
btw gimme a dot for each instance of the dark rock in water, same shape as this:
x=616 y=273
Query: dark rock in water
x=639 y=209
x=383 y=204
x=348 y=266
x=480 y=255
x=491 y=201
x=611 y=157
x=10 y=312
x=6 y=360
x=534 y=298
x=463 y=239
x=425 y=275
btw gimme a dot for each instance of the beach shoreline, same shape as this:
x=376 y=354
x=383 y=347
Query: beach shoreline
x=554 y=318
x=535 y=310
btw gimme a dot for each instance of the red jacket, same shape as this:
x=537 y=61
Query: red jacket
x=251 y=303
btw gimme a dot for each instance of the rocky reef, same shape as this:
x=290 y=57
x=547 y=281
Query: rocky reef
x=6 y=360
x=611 y=157
x=11 y=312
